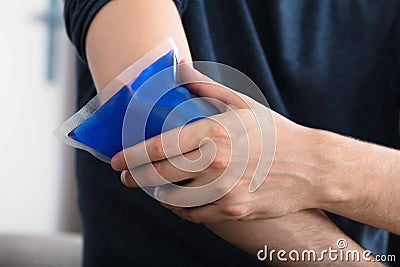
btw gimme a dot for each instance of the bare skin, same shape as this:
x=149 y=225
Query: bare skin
x=311 y=169
x=121 y=33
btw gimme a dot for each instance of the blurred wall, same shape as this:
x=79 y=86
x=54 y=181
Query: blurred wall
x=37 y=191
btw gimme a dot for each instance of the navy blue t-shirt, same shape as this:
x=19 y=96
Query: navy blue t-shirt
x=328 y=64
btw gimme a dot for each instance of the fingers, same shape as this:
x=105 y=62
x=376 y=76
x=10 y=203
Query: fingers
x=189 y=136
x=162 y=172
x=150 y=175
x=204 y=214
x=169 y=144
x=211 y=213
x=203 y=86
x=182 y=196
x=127 y=179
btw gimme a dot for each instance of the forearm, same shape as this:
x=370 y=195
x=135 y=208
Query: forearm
x=302 y=231
x=363 y=182
x=122 y=32
x=125 y=30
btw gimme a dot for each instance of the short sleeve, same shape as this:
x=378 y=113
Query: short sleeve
x=79 y=14
x=181 y=6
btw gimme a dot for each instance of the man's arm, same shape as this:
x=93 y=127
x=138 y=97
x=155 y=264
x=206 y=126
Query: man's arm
x=292 y=239
x=363 y=182
x=125 y=30
x=122 y=32
x=311 y=168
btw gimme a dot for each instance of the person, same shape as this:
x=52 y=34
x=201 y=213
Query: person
x=328 y=65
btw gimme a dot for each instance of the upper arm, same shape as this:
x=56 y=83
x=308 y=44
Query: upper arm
x=124 y=30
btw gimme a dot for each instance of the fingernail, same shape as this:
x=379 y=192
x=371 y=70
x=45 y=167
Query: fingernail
x=158 y=193
x=123 y=177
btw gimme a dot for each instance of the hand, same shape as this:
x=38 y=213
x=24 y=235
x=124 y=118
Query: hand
x=237 y=145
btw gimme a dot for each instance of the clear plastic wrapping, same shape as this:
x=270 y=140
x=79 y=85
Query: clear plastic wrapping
x=98 y=126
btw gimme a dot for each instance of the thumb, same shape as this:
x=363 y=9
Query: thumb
x=203 y=86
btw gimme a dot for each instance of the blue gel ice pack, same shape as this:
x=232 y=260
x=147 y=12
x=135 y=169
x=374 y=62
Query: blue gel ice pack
x=102 y=131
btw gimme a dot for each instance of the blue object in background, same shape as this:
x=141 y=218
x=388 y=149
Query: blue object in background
x=102 y=131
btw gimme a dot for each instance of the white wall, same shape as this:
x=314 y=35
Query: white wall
x=36 y=176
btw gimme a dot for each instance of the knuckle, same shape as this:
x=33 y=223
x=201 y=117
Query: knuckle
x=217 y=131
x=220 y=162
x=235 y=210
x=245 y=112
x=157 y=149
